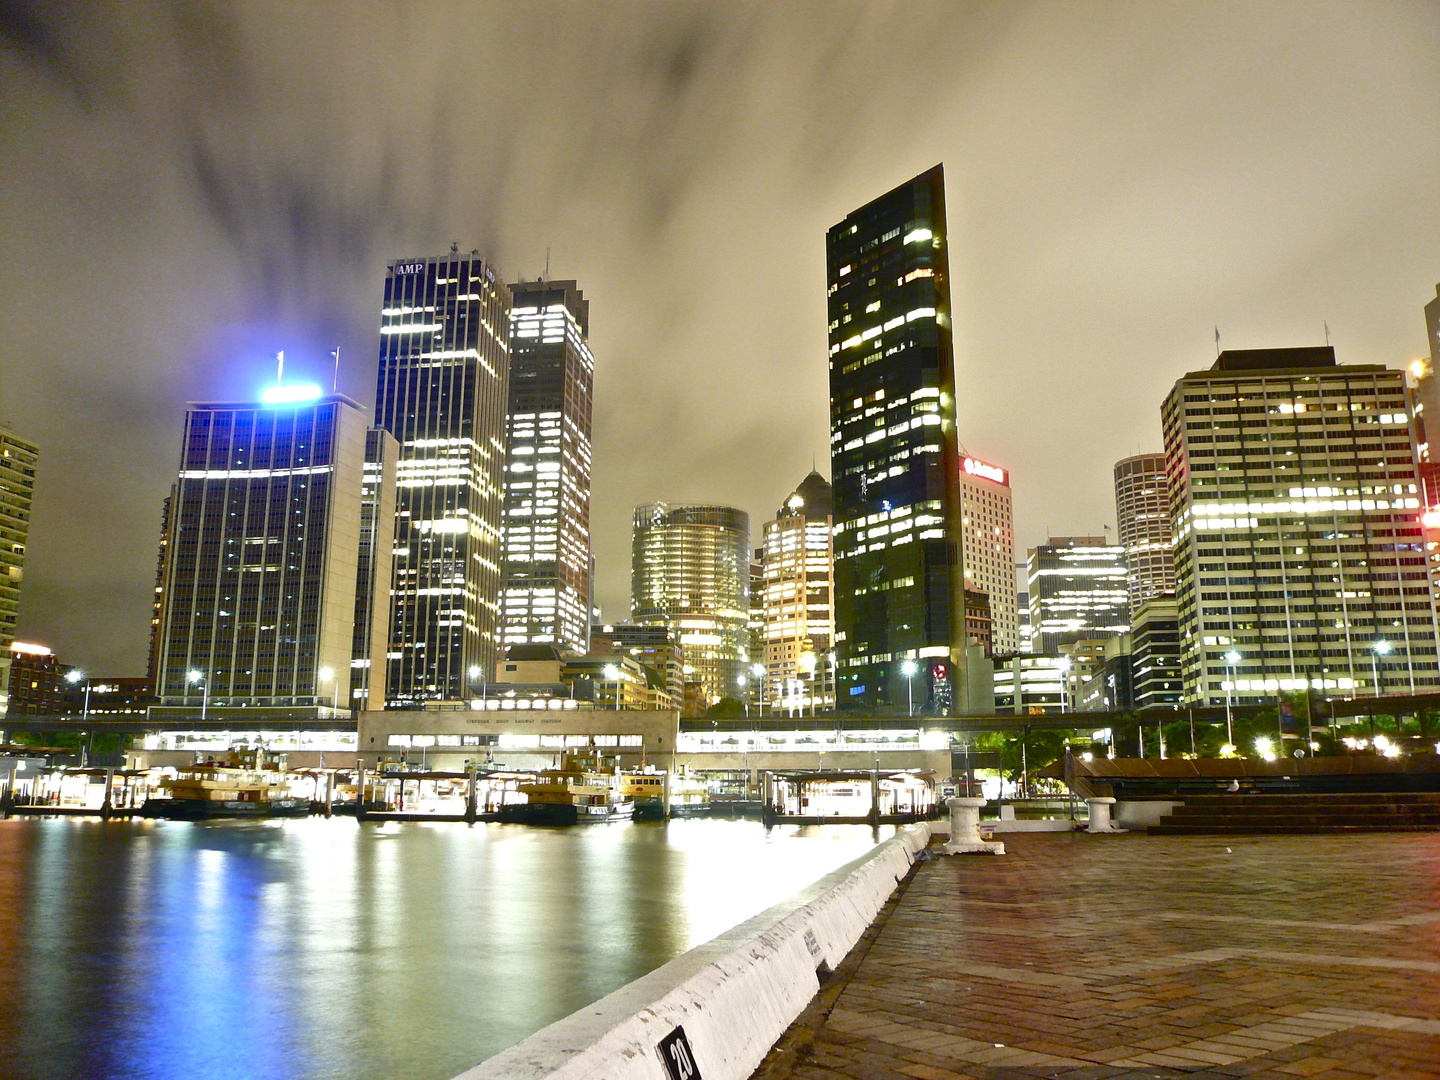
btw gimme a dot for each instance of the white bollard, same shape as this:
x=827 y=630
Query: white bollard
x=1100 y=816
x=965 y=838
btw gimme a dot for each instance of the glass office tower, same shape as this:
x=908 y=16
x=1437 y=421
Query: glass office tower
x=690 y=571
x=1142 y=520
x=442 y=386
x=547 y=472
x=899 y=592
x=261 y=562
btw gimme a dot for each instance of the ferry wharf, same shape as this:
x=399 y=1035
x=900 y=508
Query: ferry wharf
x=1127 y=956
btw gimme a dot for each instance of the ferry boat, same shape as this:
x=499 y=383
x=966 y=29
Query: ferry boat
x=241 y=786
x=689 y=796
x=577 y=793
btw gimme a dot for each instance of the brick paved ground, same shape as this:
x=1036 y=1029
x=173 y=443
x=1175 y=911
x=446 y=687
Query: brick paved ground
x=1133 y=956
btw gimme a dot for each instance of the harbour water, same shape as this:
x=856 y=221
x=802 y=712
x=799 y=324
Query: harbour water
x=324 y=948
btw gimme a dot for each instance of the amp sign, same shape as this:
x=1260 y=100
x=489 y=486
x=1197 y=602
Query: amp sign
x=409 y=268
x=976 y=467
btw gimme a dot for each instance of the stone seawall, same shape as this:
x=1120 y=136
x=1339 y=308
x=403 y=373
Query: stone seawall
x=716 y=1010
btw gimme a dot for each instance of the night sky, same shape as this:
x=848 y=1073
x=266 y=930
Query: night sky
x=187 y=188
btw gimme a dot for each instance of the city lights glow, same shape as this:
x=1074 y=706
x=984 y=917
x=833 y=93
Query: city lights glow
x=295 y=393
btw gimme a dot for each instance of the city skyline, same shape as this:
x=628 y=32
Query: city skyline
x=1228 y=186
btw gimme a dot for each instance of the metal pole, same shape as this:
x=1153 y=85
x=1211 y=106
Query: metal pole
x=1229 y=723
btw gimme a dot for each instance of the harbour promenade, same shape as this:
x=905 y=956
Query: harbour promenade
x=1088 y=957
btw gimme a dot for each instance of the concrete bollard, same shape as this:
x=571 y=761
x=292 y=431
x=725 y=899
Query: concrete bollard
x=1100 y=816
x=965 y=838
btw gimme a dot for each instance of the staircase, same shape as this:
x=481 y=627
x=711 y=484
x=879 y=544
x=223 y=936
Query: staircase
x=1217 y=815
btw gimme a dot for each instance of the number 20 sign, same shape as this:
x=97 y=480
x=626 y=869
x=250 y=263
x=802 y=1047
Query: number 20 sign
x=677 y=1057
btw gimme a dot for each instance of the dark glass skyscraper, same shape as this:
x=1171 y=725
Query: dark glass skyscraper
x=442 y=385
x=899 y=592
x=547 y=473
x=260 y=567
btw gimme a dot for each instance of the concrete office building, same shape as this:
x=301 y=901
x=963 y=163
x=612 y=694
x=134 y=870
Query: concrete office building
x=799 y=588
x=1155 y=681
x=18 y=461
x=1298 y=554
x=989 y=548
x=899 y=589
x=690 y=572
x=1077 y=590
x=261 y=566
x=1142 y=519
x=371 y=634
x=547 y=473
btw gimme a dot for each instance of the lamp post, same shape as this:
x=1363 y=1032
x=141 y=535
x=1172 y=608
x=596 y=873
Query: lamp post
x=611 y=671
x=909 y=668
x=834 y=686
x=325 y=675
x=742 y=682
x=199 y=677
x=73 y=677
x=758 y=670
x=1380 y=648
x=474 y=672
x=1064 y=684
x=807 y=661
x=1231 y=659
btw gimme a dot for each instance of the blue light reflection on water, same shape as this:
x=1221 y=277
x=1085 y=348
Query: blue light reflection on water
x=322 y=948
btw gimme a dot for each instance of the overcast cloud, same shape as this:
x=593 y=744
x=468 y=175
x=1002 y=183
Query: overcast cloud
x=187 y=188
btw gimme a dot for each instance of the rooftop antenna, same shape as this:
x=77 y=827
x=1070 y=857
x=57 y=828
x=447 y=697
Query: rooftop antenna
x=546 y=275
x=335 y=385
x=280 y=367
x=1327 y=334
x=454 y=247
x=1217 y=343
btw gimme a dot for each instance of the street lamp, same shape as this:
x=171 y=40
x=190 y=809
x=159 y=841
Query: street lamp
x=1231 y=659
x=808 y=663
x=612 y=672
x=758 y=670
x=199 y=677
x=1064 y=667
x=1380 y=648
x=473 y=671
x=909 y=668
x=741 y=682
x=325 y=675
x=73 y=677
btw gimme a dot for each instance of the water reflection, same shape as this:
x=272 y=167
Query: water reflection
x=321 y=948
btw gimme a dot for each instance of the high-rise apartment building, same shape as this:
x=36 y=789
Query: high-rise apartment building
x=259 y=596
x=442 y=393
x=373 y=575
x=1077 y=591
x=1298 y=553
x=18 y=460
x=799 y=588
x=547 y=474
x=1142 y=519
x=989 y=548
x=690 y=571
x=899 y=589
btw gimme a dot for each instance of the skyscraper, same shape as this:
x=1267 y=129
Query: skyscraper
x=1077 y=591
x=547 y=472
x=373 y=576
x=259 y=597
x=799 y=587
x=895 y=458
x=989 y=548
x=1298 y=553
x=441 y=392
x=690 y=571
x=18 y=460
x=1142 y=519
